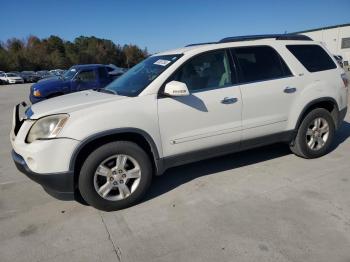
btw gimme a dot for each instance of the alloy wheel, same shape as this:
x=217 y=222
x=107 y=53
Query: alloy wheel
x=317 y=133
x=117 y=177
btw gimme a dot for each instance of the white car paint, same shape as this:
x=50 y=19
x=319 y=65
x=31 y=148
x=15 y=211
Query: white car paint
x=11 y=78
x=182 y=124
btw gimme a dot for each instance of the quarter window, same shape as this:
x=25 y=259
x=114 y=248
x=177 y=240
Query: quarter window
x=313 y=57
x=345 y=43
x=206 y=71
x=103 y=73
x=259 y=63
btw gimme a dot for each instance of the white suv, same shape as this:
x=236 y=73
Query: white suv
x=181 y=106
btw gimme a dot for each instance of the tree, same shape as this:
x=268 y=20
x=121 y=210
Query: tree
x=53 y=52
x=3 y=58
x=133 y=55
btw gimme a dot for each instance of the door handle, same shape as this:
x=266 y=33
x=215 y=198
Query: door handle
x=229 y=100
x=289 y=90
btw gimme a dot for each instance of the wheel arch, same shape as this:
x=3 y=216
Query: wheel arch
x=328 y=103
x=138 y=136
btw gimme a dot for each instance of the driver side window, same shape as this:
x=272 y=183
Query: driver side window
x=87 y=76
x=207 y=71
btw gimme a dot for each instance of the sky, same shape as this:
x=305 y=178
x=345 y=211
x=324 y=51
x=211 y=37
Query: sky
x=164 y=24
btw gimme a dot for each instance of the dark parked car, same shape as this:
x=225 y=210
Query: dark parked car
x=44 y=74
x=57 y=72
x=30 y=76
x=77 y=78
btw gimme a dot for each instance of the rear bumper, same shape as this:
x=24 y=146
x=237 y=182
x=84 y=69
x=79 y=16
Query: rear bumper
x=59 y=185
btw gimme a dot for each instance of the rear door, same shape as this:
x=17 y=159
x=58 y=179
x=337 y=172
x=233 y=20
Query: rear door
x=211 y=115
x=268 y=90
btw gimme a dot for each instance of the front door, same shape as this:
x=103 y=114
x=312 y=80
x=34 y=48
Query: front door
x=211 y=115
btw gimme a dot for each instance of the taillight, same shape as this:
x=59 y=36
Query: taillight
x=345 y=80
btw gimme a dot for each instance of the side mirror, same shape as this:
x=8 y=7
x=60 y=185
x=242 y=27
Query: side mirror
x=176 y=88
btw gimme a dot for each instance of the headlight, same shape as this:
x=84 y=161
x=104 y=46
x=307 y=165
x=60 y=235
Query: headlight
x=36 y=93
x=47 y=127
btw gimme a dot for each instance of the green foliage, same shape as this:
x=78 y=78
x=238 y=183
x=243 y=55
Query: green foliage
x=53 y=52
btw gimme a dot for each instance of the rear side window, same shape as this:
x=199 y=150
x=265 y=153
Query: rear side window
x=313 y=57
x=102 y=72
x=109 y=69
x=260 y=63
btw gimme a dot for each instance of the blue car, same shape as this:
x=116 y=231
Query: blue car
x=77 y=78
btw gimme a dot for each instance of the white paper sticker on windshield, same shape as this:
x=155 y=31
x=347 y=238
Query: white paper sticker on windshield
x=162 y=62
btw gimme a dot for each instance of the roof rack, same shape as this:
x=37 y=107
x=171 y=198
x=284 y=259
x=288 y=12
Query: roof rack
x=207 y=43
x=258 y=37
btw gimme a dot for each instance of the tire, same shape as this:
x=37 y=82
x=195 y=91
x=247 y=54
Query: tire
x=303 y=143
x=91 y=180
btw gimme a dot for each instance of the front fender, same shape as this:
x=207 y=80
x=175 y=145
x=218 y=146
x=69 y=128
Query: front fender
x=133 y=113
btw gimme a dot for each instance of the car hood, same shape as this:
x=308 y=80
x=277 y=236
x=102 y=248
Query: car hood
x=70 y=103
x=49 y=83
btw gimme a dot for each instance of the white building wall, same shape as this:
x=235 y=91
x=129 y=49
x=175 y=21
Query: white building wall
x=332 y=38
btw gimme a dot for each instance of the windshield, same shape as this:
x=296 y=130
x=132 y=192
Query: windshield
x=70 y=73
x=11 y=75
x=140 y=76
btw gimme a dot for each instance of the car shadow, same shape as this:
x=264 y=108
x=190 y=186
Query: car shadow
x=192 y=101
x=342 y=135
x=178 y=176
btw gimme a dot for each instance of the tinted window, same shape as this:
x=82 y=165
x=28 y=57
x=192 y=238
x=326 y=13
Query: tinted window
x=102 y=72
x=259 y=63
x=69 y=74
x=87 y=76
x=11 y=75
x=206 y=71
x=109 y=69
x=313 y=57
x=345 y=43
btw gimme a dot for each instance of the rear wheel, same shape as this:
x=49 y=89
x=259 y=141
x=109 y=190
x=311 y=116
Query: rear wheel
x=315 y=134
x=115 y=176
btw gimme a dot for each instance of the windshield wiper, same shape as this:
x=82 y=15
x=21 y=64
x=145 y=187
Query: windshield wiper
x=107 y=91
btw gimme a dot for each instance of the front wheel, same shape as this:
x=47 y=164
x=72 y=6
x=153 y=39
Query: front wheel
x=315 y=134
x=115 y=176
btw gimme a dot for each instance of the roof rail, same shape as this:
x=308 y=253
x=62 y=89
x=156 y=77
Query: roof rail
x=207 y=43
x=258 y=37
